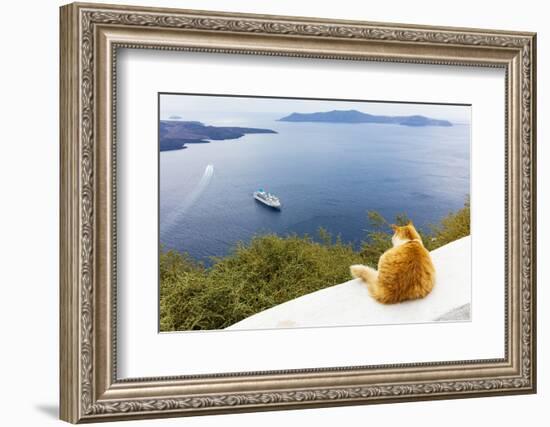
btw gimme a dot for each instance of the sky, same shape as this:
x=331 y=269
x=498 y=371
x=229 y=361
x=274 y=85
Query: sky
x=197 y=107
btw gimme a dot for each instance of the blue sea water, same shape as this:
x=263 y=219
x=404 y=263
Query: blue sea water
x=326 y=175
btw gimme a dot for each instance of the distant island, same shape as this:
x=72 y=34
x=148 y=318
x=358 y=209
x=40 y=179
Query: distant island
x=354 y=116
x=175 y=134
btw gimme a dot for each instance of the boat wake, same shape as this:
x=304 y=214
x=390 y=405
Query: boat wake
x=190 y=200
x=198 y=190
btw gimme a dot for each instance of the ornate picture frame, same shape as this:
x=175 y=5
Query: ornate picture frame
x=90 y=37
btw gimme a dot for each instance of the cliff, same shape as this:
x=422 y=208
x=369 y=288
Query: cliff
x=174 y=134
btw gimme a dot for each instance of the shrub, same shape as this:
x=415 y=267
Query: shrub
x=378 y=239
x=268 y=271
x=451 y=228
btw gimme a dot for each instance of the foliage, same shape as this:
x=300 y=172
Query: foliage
x=272 y=269
x=378 y=239
x=268 y=271
x=452 y=227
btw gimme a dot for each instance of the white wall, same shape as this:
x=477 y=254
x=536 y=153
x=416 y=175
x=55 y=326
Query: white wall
x=29 y=170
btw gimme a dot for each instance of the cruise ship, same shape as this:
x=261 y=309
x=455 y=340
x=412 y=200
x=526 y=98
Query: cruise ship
x=267 y=199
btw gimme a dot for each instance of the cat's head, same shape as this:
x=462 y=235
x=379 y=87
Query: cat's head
x=404 y=233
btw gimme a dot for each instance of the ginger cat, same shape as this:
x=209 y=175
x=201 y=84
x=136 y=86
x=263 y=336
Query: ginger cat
x=405 y=271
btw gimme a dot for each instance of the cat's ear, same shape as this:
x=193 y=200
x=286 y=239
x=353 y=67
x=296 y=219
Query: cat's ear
x=409 y=222
x=394 y=227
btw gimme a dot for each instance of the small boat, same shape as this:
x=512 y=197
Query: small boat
x=267 y=199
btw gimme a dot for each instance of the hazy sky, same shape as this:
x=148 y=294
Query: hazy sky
x=193 y=107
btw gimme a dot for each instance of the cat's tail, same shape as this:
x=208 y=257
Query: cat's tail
x=369 y=276
x=364 y=272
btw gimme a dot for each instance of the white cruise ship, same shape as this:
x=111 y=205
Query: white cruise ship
x=267 y=199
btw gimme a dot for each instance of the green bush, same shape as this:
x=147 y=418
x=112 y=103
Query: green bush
x=451 y=228
x=378 y=239
x=268 y=271
x=272 y=269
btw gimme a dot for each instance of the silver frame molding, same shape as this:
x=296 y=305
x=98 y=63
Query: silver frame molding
x=90 y=37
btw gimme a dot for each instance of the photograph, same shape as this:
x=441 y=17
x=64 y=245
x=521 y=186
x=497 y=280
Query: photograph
x=298 y=212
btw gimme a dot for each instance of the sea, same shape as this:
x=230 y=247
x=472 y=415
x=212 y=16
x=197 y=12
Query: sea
x=326 y=175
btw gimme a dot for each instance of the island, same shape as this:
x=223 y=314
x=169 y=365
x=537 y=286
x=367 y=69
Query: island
x=175 y=134
x=355 y=116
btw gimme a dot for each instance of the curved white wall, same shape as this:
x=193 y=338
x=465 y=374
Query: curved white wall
x=349 y=303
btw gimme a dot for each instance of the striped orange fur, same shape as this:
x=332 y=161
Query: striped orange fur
x=405 y=271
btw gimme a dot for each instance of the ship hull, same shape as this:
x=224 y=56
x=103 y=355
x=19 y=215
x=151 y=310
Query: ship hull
x=269 y=205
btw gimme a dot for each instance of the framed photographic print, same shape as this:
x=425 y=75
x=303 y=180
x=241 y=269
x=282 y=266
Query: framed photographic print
x=266 y=212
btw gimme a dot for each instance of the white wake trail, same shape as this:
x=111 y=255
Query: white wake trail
x=198 y=190
x=190 y=200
